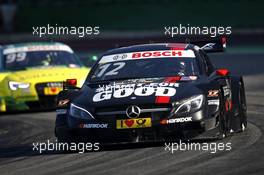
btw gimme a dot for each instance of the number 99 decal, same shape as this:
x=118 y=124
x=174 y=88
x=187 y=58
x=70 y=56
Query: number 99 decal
x=16 y=57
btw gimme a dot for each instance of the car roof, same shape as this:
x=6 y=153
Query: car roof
x=149 y=47
x=25 y=44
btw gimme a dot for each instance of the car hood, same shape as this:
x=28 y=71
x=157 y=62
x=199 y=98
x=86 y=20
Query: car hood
x=3 y=75
x=157 y=90
x=46 y=74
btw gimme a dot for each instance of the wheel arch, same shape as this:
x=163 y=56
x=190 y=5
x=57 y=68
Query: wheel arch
x=64 y=99
x=237 y=82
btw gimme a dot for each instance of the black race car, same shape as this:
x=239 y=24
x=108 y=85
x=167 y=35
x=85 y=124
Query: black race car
x=153 y=92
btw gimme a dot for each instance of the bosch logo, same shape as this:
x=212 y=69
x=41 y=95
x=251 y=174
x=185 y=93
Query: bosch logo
x=165 y=53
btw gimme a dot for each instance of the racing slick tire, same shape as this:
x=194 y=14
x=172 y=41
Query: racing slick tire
x=239 y=112
x=242 y=109
x=222 y=119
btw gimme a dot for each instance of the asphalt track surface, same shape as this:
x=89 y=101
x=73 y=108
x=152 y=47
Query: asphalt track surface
x=19 y=131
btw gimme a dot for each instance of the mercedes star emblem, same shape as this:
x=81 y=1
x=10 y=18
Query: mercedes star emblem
x=133 y=111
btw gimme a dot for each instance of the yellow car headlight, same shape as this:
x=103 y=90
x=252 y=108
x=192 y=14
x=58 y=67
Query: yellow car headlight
x=13 y=85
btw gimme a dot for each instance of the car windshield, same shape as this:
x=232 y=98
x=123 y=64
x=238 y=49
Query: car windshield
x=145 y=68
x=23 y=60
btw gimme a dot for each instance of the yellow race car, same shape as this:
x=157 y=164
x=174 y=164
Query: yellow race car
x=32 y=74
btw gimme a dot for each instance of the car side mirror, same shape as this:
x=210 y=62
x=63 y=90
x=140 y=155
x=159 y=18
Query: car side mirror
x=219 y=73
x=222 y=72
x=70 y=84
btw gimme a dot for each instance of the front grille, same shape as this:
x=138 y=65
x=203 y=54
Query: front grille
x=145 y=108
x=47 y=101
x=41 y=86
x=156 y=112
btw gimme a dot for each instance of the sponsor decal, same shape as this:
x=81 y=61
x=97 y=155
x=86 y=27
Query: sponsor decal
x=168 y=53
x=148 y=54
x=228 y=105
x=96 y=125
x=120 y=57
x=133 y=123
x=61 y=111
x=122 y=91
x=64 y=102
x=228 y=95
x=213 y=102
x=55 y=84
x=166 y=99
x=179 y=120
x=188 y=78
x=213 y=93
x=162 y=99
x=37 y=48
x=226 y=90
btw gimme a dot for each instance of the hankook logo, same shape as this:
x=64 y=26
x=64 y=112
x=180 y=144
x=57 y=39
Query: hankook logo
x=133 y=111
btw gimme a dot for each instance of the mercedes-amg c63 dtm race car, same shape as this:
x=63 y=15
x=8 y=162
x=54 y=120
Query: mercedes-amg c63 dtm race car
x=153 y=92
x=32 y=74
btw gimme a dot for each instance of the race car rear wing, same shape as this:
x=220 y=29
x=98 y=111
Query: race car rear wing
x=214 y=45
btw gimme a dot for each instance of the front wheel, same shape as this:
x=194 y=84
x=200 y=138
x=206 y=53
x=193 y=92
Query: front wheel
x=2 y=105
x=64 y=135
x=221 y=119
x=242 y=108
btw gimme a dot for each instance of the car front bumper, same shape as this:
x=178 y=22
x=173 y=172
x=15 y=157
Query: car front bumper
x=105 y=130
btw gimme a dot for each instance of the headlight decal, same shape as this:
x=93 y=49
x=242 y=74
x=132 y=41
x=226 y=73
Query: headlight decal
x=188 y=106
x=80 y=112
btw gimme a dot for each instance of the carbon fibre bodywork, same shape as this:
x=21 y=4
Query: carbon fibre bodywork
x=210 y=103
